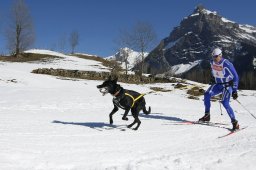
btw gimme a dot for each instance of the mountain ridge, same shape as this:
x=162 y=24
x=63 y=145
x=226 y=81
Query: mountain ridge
x=196 y=36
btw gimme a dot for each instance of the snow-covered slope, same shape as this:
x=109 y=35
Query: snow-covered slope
x=52 y=124
x=182 y=68
x=67 y=62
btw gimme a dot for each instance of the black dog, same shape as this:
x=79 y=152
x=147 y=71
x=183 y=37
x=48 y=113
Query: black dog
x=125 y=99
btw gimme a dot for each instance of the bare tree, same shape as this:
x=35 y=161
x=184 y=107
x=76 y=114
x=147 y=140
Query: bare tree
x=124 y=54
x=20 y=33
x=74 y=40
x=140 y=38
x=124 y=45
x=143 y=37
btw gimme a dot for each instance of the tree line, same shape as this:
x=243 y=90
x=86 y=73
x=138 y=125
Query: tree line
x=247 y=79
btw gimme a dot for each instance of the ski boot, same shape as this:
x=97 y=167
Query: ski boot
x=235 y=125
x=205 y=118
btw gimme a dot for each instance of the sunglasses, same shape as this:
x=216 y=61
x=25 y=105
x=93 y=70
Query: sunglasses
x=215 y=56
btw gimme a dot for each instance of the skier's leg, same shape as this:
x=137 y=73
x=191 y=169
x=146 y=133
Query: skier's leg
x=225 y=101
x=212 y=91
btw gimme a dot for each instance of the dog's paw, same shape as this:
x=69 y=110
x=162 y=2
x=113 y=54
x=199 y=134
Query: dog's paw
x=125 y=118
x=111 y=122
x=135 y=129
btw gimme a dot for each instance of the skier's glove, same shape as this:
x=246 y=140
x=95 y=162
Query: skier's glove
x=234 y=95
x=212 y=81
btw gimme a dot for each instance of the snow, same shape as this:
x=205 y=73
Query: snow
x=182 y=68
x=224 y=39
x=195 y=14
x=65 y=62
x=248 y=28
x=53 y=124
x=205 y=11
x=226 y=20
x=209 y=12
x=133 y=57
x=246 y=36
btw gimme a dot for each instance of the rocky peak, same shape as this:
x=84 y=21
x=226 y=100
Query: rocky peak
x=196 y=36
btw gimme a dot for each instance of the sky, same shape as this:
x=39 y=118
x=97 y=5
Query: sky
x=99 y=22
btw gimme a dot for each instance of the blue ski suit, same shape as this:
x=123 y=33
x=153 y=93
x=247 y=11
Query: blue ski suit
x=224 y=73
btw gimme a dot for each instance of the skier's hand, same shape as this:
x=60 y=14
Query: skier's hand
x=231 y=83
x=234 y=95
x=212 y=81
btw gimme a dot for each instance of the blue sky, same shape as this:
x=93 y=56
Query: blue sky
x=98 y=22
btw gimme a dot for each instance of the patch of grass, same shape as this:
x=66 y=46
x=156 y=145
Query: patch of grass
x=159 y=89
x=180 y=86
x=193 y=97
x=111 y=64
x=27 y=57
x=196 y=91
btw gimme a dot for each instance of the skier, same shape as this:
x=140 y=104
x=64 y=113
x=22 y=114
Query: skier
x=226 y=82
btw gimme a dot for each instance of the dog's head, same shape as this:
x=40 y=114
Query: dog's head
x=109 y=86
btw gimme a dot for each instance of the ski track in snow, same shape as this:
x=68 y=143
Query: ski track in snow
x=54 y=124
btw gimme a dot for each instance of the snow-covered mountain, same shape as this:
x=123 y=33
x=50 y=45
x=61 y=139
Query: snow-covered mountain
x=49 y=123
x=133 y=57
x=197 y=35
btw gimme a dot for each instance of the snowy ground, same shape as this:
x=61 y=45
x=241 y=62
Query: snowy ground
x=52 y=124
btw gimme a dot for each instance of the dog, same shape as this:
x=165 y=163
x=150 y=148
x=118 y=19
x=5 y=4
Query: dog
x=124 y=99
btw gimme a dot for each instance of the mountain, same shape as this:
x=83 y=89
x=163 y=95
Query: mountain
x=196 y=36
x=133 y=57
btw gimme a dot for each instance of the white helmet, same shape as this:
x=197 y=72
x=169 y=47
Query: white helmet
x=216 y=52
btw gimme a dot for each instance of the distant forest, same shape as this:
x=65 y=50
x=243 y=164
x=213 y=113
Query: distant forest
x=247 y=79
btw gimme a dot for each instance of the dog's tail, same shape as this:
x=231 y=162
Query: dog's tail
x=147 y=111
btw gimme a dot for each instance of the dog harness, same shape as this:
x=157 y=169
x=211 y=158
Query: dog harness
x=134 y=99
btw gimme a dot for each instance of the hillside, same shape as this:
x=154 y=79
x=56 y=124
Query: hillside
x=55 y=124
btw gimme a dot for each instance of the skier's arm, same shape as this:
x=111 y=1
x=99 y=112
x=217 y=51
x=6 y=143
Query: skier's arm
x=234 y=74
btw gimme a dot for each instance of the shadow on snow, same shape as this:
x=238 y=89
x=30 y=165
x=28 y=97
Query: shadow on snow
x=106 y=126
x=162 y=117
x=93 y=125
x=180 y=121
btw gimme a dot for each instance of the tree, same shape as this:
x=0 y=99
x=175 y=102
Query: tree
x=124 y=54
x=140 y=38
x=20 y=33
x=123 y=43
x=74 y=40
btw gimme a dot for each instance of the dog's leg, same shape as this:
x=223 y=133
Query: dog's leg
x=137 y=120
x=135 y=114
x=111 y=114
x=130 y=125
x=125 y=114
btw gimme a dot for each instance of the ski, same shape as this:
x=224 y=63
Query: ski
x=211 y=124
x=203 y=123
x=232 y=132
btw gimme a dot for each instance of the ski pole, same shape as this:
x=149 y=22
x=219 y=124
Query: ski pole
x=245 y=108
x=220 y=108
